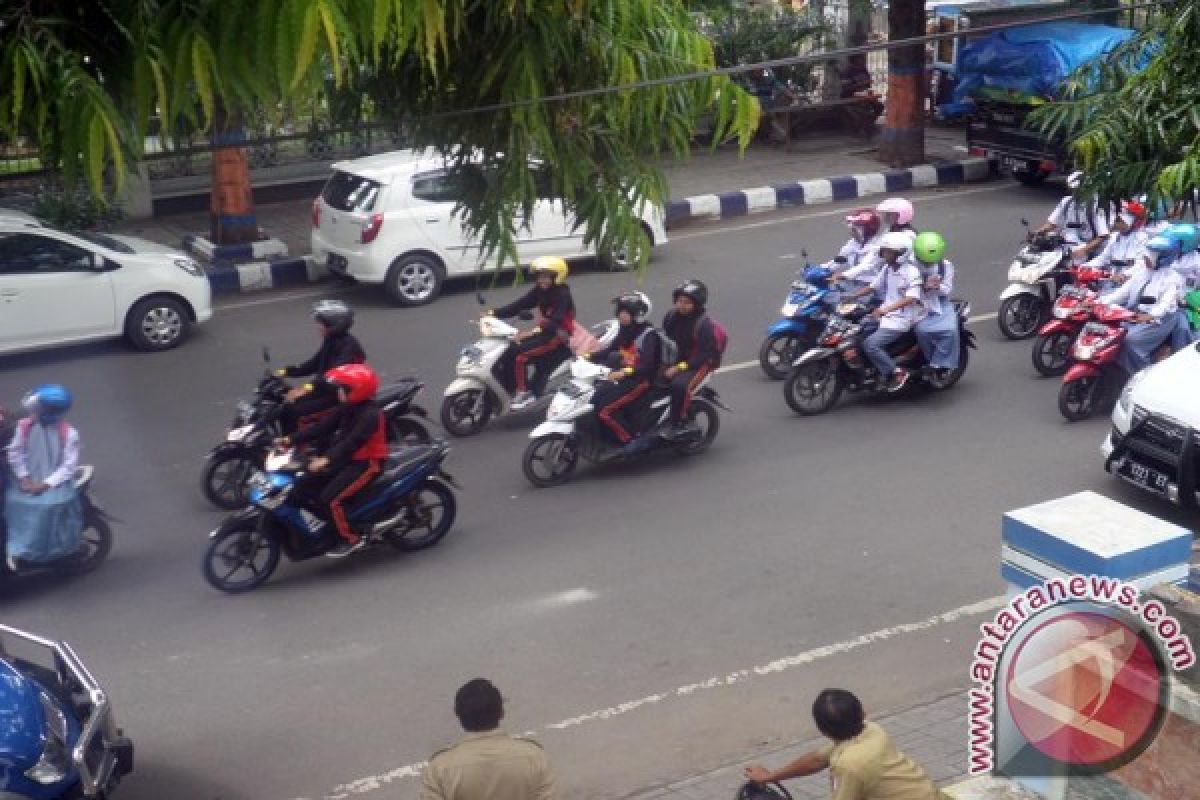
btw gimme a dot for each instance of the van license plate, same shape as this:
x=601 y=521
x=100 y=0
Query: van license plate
x=1145 y=477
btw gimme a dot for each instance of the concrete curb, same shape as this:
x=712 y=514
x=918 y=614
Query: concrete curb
x=226 y=277
x=824 y=190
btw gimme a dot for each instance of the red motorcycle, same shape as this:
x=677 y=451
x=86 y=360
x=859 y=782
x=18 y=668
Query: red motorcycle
x=1072 y=310
x=1094 y=374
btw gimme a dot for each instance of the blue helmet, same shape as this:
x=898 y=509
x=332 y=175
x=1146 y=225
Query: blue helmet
x=1187 y=234
x=50 y=402
x=1163 y=249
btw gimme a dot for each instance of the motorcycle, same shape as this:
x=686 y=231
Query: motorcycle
x=804 y=313
x=839 y=364
x=410 y=505
x=1072 y=310
x=255 y=426
x=96 y=543
x=572 y=431
x=481 y=389
x=1041 y=268
x=1094 y=374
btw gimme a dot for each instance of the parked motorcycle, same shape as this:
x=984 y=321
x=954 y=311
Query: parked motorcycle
x=1041 y=268
x=410 y=506
x=229 y=465
x=572 y=431
x=1094 y=375
x=803 y=317
x=480 y=390
x=1071 y=311
x=95 y=546
x=838 y=362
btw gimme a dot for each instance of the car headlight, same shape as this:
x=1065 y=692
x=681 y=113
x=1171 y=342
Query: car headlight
x=1125 y=401
x=55 y=761
x=190 y=267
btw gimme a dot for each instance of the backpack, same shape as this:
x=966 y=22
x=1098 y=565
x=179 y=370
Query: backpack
x=762 y=791
x=720 y=336
x=669 y=351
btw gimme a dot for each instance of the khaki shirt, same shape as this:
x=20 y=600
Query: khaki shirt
x=489 y=766
x=869 y=767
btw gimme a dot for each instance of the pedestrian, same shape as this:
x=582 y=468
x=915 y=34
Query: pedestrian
x=863 y=762
x=487 y=764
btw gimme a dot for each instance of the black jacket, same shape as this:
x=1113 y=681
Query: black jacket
x=336 y=350
x=352 y=428
x=555 y=305
x=693 y=337
x=642 y=352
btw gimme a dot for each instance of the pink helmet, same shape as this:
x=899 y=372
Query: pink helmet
x=898 y=206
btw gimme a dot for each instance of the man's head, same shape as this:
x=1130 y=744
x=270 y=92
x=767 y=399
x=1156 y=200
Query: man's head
x=690 y=297
x=892 y=247
x=549 y=271
x=332 y=317
x=838 y=714
x=631 y=308
x=478 y=706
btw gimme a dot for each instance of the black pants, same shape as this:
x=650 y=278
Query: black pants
x=334 y=487
x=616 y=401
x=683 y=386
x=544 y=352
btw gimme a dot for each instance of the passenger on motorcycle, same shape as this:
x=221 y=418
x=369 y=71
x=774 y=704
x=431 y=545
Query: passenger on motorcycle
x=1123 y=249
x=864 y=238
x=544 y=346
x=688 y=326
x=1081 y=223
x=895 y=216
x=334 y=319
x=937 y=331
x=358 y=433
x=1153 y=291
x=42 y=509
x=899 y=284
x=1188 y=265
x=636 y=358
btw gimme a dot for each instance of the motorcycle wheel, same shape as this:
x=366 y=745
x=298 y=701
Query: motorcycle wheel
x=703 y=414
x=224 y=479
x=1020 y=316
x=1077 y=399
x=409 y=431
x=244 y=548
x=814 y=387
x=460 y=416
x=430 y=513
x=549 y=461
x=1051 y=353
x=96 y=545
x=954 y=376
x=777 y=353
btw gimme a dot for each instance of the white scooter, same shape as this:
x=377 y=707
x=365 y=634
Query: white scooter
x=572 y=430
x=1041 y=268
x=479 y=393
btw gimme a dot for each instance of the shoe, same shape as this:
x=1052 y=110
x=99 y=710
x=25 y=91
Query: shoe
x=680 y=430
x=523 y=400
x=898 y=379
x=12 y=564
x=634 y=446
x=345 y=548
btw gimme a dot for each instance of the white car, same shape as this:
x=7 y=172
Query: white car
x=388 y=219
x=59 y=288
x=1155 y=438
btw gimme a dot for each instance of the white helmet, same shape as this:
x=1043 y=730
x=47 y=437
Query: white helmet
x=636 y=303
x=895 y=241
x=1075 y=179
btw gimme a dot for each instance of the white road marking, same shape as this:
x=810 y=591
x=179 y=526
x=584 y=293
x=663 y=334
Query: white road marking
x=570 y=597
x=278 y=298
x=373 y=783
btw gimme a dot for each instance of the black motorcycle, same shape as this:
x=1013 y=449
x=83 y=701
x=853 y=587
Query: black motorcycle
x=838 y=363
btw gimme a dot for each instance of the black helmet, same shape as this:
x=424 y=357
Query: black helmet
x=694 y=289
x=636 y=303
x=334 y=315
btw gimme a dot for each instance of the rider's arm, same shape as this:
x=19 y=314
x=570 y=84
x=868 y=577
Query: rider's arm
x=308 y=367
x=365 y=422
x=563 y=306
x=16 y=455
x=1105 y=256
x=706 y=346
x=70 y=461
x=648 y=359
x=1120 y=295
x=946 y=287
x=322 y=427
x=522 y=303
x=1169 y=294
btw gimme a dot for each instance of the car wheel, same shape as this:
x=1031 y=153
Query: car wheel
x=157 y=323
x=619 y=261
x=414 y=280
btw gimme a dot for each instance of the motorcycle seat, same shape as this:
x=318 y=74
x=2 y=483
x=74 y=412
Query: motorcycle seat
x=403 y=390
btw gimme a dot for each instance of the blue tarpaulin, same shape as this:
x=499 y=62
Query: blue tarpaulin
x=46 y=526
x=1032 y=60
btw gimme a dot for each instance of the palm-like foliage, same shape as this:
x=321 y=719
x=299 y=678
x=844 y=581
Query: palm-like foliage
x=82 y=80
x=1132 y=120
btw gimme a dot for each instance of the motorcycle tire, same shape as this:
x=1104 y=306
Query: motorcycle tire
x=455 y=415
x=408 y=431
x=825 y=382
x=224 y=479
x=243 y=543
x=97 y=543
x=566 y=459
x=1020 y=316
x=1078 y=399
x=710 y=427
x=1051 y=354
x=421 y=504
x=777 y=353
x=955 y=375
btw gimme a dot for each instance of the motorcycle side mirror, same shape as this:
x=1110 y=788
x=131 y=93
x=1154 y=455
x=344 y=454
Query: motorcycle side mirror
x=525 y=316
x=1025 y=222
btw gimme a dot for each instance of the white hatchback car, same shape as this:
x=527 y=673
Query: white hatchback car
x=389 y=219
x=59 y=288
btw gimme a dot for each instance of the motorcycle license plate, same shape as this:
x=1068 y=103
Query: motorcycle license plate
x=1146 y=477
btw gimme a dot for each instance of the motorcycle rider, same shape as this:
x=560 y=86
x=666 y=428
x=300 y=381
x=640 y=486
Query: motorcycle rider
x=1188 y=265
x=937 y=331
x=864 y=238
x=1153 y=291
x=358 y=434
x=638 y=350
x=544 y=346
x=1082 y=224
x=42 y=508
x=1123 y=249
x=334 y=319
x=899 y=283
x=688 y=326
x=895 y=216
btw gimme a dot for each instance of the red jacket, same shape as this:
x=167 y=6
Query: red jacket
x=359 y=433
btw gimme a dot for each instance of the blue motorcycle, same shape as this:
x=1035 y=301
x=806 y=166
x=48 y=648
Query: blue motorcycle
x=809 y=301
x=410 y=506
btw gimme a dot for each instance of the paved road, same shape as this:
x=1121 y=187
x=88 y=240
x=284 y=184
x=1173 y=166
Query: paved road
x=646 y=622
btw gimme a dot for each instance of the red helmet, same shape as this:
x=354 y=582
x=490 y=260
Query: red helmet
x=359 y=381
x=1138 y=210
x=866 y=219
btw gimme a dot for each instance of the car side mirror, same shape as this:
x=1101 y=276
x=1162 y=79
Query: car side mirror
x=525 y=316
x=98 y=263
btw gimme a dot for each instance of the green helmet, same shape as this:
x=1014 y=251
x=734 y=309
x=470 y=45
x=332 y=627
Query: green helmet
x=929 y=247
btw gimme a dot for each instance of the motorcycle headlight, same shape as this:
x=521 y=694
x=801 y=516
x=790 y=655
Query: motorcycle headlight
x=471 y=357
x=55 y=761
x=245 y=409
